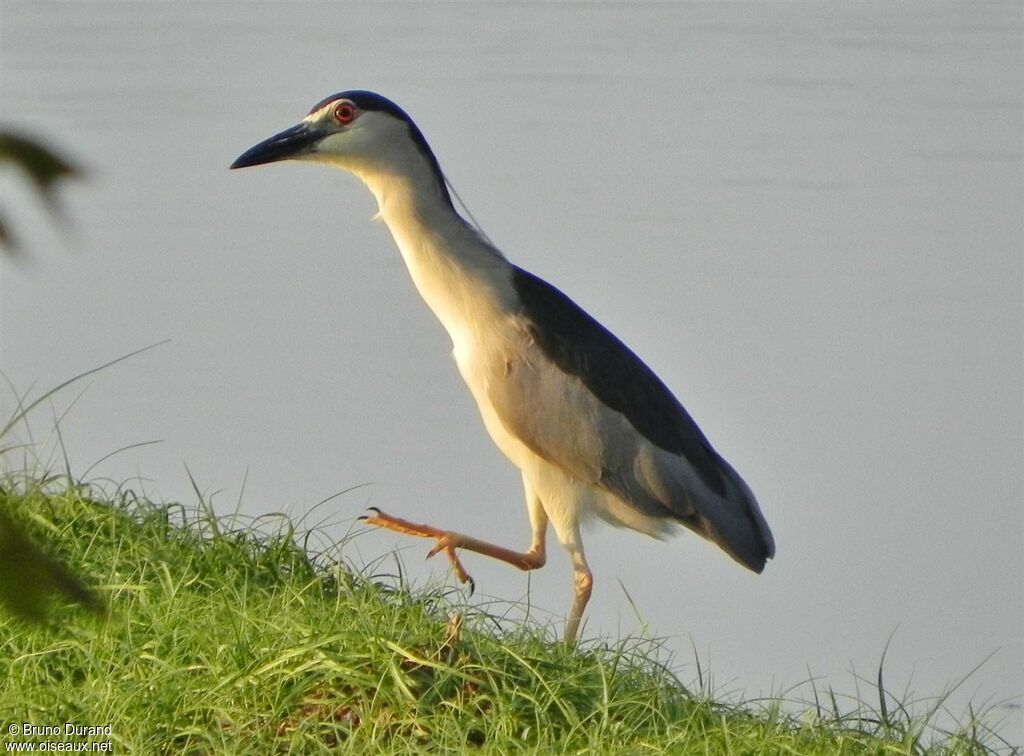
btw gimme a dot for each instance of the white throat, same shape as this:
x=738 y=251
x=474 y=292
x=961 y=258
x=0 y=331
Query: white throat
x=460 y=276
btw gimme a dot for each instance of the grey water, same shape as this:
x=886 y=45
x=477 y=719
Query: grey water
x=806 y=217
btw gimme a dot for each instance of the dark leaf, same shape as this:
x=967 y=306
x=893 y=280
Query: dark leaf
x=29 y=578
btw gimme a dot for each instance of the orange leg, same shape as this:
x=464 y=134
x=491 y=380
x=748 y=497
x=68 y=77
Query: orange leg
x=448 y=541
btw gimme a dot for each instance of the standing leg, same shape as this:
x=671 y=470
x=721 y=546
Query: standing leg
x=583 y=582
x=567 y=529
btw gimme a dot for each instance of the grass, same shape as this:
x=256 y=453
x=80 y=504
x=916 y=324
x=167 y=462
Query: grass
x=228 y=638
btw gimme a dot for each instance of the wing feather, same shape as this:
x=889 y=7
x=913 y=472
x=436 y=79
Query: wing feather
x=615 y=425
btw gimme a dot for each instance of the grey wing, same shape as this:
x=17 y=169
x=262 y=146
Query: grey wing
x=579 y=398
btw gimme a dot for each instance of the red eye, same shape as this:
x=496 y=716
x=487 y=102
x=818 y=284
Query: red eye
x=344 y=113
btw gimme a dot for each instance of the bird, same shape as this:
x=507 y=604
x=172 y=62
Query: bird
x=594 y=432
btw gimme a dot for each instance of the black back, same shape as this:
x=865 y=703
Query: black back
x=582 y=347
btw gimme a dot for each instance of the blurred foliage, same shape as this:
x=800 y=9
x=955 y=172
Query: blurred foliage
x=43 y=167
x=29 y=577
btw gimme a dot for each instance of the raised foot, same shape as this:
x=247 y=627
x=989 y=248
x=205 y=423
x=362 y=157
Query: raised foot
x=446 y=541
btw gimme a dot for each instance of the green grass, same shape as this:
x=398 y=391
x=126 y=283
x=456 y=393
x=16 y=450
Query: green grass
x=228 y=638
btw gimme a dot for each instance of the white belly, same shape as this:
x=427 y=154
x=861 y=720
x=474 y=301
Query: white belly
x=567 y=501
x=472 y=363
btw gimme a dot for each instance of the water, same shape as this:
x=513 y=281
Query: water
x=806 y=217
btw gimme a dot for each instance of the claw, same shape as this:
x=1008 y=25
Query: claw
x=444 y=544
x=367 y=517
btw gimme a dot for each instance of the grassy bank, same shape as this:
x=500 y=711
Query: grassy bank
x=222 y=638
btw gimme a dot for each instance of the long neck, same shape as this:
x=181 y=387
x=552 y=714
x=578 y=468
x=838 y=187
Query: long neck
x=461 y=277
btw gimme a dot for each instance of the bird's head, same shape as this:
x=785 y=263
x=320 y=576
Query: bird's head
x=359 y=131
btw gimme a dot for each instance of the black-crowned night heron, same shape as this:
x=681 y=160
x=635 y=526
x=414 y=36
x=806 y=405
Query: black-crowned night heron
x=590 y=426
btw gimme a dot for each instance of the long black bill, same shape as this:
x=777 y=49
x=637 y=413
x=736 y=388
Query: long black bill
x=289 y=143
